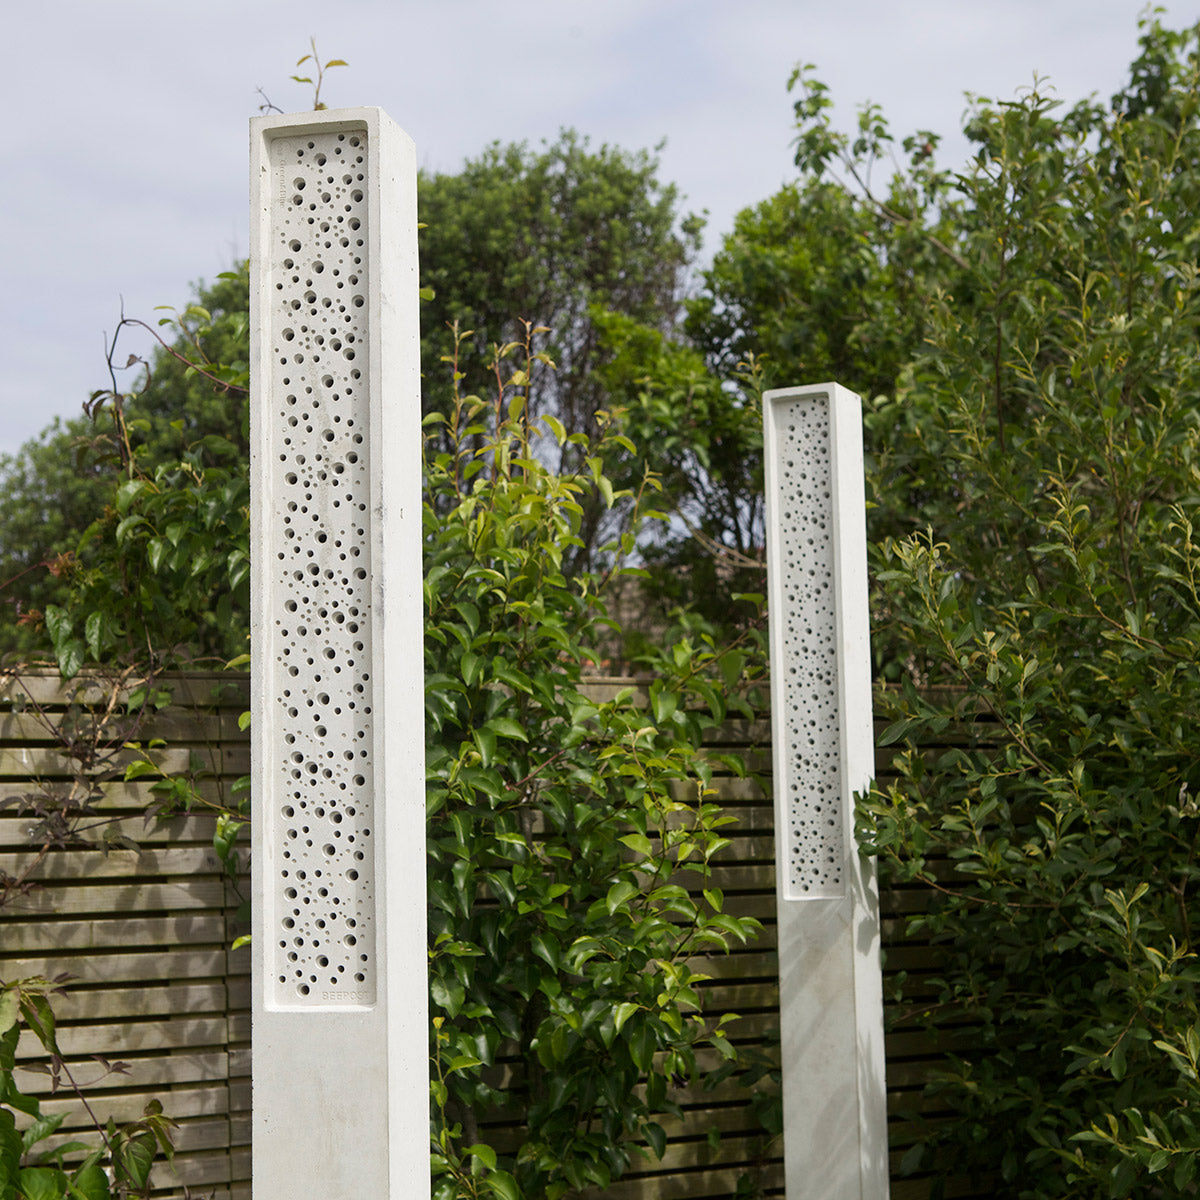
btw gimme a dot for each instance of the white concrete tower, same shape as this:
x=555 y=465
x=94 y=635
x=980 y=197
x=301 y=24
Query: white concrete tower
x=830 y=990
x=340 y=1028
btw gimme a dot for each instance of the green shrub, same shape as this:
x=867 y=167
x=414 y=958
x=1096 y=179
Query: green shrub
x=1053 y=433
x=563 y=828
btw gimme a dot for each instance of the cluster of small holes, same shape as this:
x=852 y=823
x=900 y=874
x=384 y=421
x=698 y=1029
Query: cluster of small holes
x=813 y=803
x=320 y=599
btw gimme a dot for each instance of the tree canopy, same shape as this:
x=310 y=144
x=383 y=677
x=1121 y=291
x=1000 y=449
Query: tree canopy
x=554 y=236
x=548 y=236
x=1035 y=487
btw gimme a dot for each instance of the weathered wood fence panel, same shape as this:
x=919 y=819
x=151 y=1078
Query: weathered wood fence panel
x=145 y=934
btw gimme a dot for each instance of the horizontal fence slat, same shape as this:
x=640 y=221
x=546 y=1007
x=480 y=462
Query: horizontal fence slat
x=109 y=933
x=179 y=727
x=21 y=831
x=109 y=797
x=42 y=763
x=68 y=864
x=145 y=1073
x=139 y=967
x=148 y=999
x=149 y=895
x=195 y=1100
x=200 y=689
x=130 y=1037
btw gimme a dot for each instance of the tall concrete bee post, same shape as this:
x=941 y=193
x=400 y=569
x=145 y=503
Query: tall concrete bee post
x=340 y=1029
x=831 y=1004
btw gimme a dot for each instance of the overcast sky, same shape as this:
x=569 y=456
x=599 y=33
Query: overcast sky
x=127 y=119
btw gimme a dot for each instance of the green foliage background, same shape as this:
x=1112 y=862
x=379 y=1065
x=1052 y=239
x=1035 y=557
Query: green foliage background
x=1025 y=336
x=562 y=828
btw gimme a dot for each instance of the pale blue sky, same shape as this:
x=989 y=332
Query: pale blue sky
x=127 y=135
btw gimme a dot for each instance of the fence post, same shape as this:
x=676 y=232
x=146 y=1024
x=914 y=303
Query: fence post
x=831 y=1005
x=340 y=1029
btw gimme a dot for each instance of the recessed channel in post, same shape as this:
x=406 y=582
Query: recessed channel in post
x=322 y=903
x=812 y=833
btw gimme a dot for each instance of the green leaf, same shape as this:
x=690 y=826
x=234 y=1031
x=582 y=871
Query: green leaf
x=639 y=843
x=58 y=624
x=1159 y=1161
x=128 y=492
x=485 y=741
x=912 y=1159
x=41 y=1128
x=619 y=894
x=71 y=658
x=503 y=1186
x=90 y=1183
x=94 y=629
x=656 y=1136
x=128 y=525
x=470 y=665
x=663 y=703
x=1116 y=1061
x=723 y=1044
x=136 y=1157
x=731 y=665
x=894 y=732
x=41 y=1183
x=39 y=1017
x=507 y=727
x=1124 y=1176
x=623 y=1012
x=447 y=995
x=642 y=1046
x=547 y=950
x=604 y=484
x=10 y=1007
x=485 y=1154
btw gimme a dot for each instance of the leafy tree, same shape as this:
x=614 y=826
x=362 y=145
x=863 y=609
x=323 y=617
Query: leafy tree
x=1051 y=441
x=817 y=283
x=57 y=490
x=50 y=497
x=548 y=236
x=825 y=280
x=700 y=435
x=557 y=237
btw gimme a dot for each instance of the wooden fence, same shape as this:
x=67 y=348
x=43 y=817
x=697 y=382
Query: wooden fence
x=145 y=935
